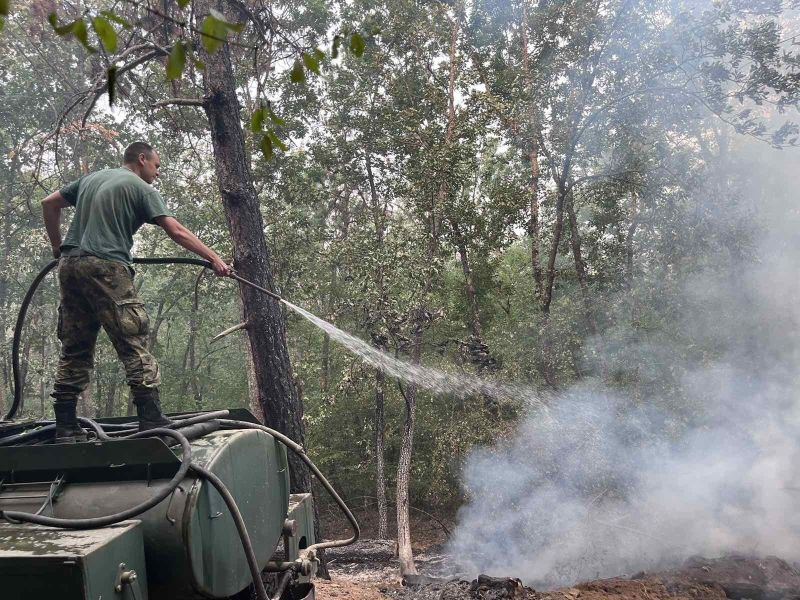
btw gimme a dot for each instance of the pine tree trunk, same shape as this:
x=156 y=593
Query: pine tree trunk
x=266 y=331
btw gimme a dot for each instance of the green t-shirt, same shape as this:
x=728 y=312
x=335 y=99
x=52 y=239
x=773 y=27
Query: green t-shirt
x=110 y=206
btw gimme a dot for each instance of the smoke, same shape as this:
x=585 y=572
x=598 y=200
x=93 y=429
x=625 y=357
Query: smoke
x=604 y=484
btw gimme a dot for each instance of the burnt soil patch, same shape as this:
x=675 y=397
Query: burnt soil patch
x=372 y=564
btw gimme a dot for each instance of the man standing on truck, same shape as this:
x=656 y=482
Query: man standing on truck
x=96 y=280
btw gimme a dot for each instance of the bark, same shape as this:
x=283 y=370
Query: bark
x=629 y=241
x=533 y=159
x=110 y=397
x=469 y=284
x=326 y=366
x=580 y=265
x=405 y=554
x=550 y=273
x=86 y=402
x=162 y=310
x=191 y=384
x=380 y=465
x=266 y=331
x=379 y=221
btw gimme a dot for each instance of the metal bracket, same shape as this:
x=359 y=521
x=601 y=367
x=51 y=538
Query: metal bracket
x=129 y=578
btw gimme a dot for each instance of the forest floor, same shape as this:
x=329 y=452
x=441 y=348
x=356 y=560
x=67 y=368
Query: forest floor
x=369 y=570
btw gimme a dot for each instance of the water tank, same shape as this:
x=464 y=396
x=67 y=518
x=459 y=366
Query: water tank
x=192 y=548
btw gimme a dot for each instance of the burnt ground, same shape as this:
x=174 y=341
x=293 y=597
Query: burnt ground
x=369 y=570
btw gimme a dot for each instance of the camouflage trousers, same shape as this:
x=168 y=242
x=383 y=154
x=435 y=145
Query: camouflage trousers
x=96 y=292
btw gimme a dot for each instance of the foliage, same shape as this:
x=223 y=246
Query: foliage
x=601 y=108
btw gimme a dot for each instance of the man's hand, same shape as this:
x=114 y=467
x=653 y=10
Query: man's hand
x=220 y=268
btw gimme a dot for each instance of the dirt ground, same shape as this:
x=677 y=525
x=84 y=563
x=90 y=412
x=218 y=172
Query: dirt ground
x=369 y=571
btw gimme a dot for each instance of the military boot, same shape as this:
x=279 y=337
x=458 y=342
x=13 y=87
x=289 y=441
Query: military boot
x=148 y=409
x=68 y=431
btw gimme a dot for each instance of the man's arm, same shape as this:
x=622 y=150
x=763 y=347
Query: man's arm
x=51 y=214
x=183 y=237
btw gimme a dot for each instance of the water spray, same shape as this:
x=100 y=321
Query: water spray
x=438 y=382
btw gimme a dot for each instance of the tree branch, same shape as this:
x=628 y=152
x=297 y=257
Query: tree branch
x=201 y=102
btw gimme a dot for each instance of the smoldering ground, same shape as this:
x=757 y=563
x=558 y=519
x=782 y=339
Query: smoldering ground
x=607 y=483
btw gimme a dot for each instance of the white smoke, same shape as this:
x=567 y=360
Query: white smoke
x=607 y=485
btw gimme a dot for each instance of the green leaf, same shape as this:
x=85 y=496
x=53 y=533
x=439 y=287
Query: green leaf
x=77 y=28
x=183 y=3
x=176 y=60
x=237 y=27
x=266 y=147
x=5 y=7
x=277 y=141
x=199 y=64
x=106 y=33
x=357 y=44
x=2 y=23
x=297 y=75
x=52 y=18
x=115 y=18
x=112 y=84
x=81 y=33
x=337 y=42
x=311 y=62
x=257 y=120
x=275 y=118
x=213 y=34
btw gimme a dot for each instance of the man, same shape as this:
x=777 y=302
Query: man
x=96 y=280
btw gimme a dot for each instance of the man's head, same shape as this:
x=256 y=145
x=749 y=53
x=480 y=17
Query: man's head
x=140 y=158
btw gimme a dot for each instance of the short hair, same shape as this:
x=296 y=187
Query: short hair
x=133 y=151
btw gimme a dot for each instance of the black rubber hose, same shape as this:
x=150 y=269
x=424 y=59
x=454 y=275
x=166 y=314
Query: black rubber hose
x=298 y=450
x=21 y=438
x=177 y=423
x=95 y=522
x=23 y=311
x=241 y=527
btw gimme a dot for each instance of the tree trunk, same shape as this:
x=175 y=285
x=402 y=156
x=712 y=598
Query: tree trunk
x=404 y=552
x=191 y=383
x=550 y=274
x=469 y=285
x=266 y=330
x=380 y=466
x=111 y=396
x=580 y=266
x=629 y=257
x=533 y=159
x=379 y=222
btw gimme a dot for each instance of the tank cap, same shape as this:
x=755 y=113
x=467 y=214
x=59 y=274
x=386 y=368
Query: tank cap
x=290 y=527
